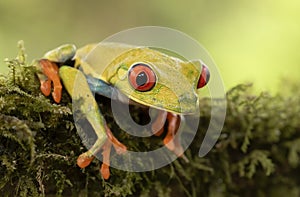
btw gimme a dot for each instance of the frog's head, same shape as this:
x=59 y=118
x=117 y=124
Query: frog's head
x=155 y=79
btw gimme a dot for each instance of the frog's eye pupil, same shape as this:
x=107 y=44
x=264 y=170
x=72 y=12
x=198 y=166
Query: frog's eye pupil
x=141 y=77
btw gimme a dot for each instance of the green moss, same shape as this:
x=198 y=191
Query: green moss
x=257 y=153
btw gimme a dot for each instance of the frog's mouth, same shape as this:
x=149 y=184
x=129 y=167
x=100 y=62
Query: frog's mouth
x=183 y=108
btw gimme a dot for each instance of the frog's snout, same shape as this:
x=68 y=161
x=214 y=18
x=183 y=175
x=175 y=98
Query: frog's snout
x=188 y=103
x=204 y=77
x=187 y=98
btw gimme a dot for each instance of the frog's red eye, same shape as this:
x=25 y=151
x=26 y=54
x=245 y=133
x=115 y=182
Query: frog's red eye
x=204 y=77
x=141 y=77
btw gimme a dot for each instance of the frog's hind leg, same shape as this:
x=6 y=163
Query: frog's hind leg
x=88 y=107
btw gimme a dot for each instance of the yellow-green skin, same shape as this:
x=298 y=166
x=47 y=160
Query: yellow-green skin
x=174 y=91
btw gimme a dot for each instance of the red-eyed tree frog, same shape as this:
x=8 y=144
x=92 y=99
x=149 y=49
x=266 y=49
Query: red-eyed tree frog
x=145 y=75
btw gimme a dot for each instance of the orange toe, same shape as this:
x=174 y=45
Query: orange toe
x=50 y=77
x=169 y=143
x=105 y=171
x=56 y=94
x=83 y=160
x=46 y=87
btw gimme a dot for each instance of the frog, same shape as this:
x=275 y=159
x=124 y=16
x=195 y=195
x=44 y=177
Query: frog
x=145 y=75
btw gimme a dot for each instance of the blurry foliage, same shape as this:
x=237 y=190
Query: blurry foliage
x=257 y=153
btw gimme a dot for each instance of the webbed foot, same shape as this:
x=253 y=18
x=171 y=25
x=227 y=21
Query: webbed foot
x=86 y=158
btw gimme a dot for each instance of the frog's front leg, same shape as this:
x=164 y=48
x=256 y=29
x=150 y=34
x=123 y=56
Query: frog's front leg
x=172 y=139
x=158 y=125
x=89 y=108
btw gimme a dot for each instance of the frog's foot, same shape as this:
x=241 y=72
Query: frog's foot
x=171 y=140
x=85 y=159
x=50 y=76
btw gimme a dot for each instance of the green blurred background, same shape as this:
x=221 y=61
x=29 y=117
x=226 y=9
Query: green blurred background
x=250 y=41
